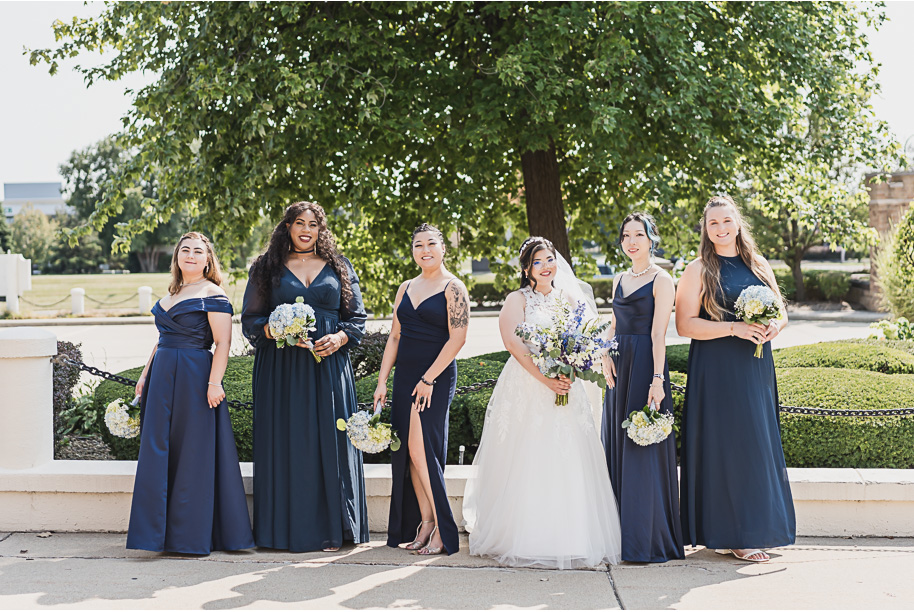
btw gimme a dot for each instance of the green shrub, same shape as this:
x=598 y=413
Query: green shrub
x=833 y=284
x=902 y=345
x=677 y=357
x=861 y=442
x=849 y=355
x=899 y=329
x=484 y=292
x=786 y=283
x=366 y=356
x=894 y=263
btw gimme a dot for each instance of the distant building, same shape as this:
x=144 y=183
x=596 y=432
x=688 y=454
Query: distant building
x=45 y=197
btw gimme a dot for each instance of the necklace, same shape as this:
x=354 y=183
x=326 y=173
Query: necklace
x=641 y=273
x=305 y=252
x=193 y=283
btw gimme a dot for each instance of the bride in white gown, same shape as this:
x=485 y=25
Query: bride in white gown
x=541 y=494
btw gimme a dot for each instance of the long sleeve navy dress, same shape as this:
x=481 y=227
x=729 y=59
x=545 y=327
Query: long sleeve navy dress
x=309 y=486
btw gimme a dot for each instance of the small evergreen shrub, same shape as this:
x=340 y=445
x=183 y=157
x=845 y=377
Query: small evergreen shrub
x=65 y=379
x=677 y=357
x=848 y=355
x=894 y=264
x=833 y=284
x=366 y=356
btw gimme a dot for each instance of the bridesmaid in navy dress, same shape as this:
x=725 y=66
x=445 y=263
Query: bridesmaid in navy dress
x=431 y=315
x=188 y=496
x=735 y=492
x=309 y=487
x=644 y=478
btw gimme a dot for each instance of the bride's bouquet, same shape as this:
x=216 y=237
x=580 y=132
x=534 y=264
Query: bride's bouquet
x=758 y=304
x=648 y=426
x=571 y=346
x=121 y=421
x=368 y=433
x=291 y=322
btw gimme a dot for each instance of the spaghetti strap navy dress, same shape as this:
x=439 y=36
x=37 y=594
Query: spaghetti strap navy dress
x=309 y=485
x=734 y=487
x=644 y=478
x=188 y=495
x=423 y=333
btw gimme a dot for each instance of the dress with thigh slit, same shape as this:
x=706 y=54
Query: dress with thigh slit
x=423 y=333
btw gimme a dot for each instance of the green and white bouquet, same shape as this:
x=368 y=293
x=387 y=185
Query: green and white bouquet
x=648 y=426
x=758 y=304
x=291 y=322
x=121 y=421
x=368 y=433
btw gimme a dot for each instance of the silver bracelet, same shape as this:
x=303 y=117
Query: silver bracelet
x=215 y=384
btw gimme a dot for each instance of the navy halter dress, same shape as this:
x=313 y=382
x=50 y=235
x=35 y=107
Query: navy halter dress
x=734 y=487
x=423 y=333
x=188 y=495
x=644 y=478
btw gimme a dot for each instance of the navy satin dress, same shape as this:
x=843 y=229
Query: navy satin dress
x=734 y=487
x=309 y=486
x=644 y=478
x=188 y=496
x=423 y=333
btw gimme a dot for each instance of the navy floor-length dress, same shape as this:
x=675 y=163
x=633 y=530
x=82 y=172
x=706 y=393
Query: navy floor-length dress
x=309 y=485
x=188 y=495
x=423 y=333
x=734 y=487
x=644 y=478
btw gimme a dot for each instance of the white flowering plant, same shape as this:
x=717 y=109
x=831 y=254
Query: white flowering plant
x=758 y=304
x=571 y=346
x=291 y=322
x=368 y=434
x=649 y=426
x=899 y=329
x=122 y=421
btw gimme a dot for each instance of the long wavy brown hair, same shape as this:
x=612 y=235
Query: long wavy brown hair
x=711 y=294
x=212 y=271
x=267 y=269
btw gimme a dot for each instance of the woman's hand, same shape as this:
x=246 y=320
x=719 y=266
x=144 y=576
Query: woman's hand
x=753 y=332
x=559 y=386
x=214 y=395
x=266 y=332
x=140 y=384
x=422 y=395
x=380 y=396
x=609 y=371
x=656 y=393
x=772 y=331
x=329 y=344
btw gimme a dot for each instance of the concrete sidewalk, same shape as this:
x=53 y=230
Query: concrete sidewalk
x=95 y=571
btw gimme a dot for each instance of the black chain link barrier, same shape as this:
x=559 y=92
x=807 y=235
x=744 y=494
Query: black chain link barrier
x=490 y=382
x=101 y=303
x=36 y=305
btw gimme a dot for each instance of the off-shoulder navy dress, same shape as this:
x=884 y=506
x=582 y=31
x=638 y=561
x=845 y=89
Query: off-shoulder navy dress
x=188 y=495
x=734 y=487
x=644 y=478
x=423 y=333
x=309 y=486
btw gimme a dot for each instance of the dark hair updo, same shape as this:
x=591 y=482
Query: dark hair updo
x=650 y=228
x=425 y=227
x=528 y=251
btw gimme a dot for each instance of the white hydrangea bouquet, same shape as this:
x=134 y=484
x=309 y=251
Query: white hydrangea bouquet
x=648 y=426
x=291 y=322
x=368 y=433
x=758 y=304
x=122 y=422
x=571 y=346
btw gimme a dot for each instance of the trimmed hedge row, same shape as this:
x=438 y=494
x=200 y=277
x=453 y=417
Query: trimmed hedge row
x=484 y=292
x=830 y=285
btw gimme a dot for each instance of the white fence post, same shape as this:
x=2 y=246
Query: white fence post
x=26 y=403
x=145 y=294
x=78 y=300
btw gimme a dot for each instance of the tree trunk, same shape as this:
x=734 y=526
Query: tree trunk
x=543 y=196
x=794 y=263
x=148 y=259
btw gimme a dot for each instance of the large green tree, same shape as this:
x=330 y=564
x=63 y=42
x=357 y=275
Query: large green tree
x=491 y=119
x=32 y=235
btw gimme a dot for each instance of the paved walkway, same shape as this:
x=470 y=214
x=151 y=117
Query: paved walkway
x=95 y=571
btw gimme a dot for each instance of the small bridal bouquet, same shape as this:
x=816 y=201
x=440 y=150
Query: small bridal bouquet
x=648 y=426
x=121 y=421
x=758 y=304
x=291 y=322
x=368 y=433
x=571 y=346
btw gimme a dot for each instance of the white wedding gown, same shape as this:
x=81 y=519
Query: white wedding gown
x=541 y=494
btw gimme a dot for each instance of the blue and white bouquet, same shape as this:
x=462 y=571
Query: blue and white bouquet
x=758 y=304
x=121 y=421
x=368 y=433
x=571 y=346
x=648 y=425
x=291 y=322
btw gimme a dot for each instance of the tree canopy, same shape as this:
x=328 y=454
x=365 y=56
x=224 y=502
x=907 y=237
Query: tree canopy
x=489 y=119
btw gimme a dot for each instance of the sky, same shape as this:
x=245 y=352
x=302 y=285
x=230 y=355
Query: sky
x=44 y=118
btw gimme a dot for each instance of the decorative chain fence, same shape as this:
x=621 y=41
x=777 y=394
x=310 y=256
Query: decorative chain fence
x=490 y=382
x=37 y=305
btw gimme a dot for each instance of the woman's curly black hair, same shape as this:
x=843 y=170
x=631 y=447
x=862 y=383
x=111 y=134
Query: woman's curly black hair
x=267 y=269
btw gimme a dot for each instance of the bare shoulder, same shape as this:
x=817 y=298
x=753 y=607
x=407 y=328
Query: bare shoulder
x=212 y=289
x=694 y=267
x=663 y=279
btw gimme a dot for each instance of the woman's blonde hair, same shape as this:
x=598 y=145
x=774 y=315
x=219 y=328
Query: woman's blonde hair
x=211 y=271
x=711 y=294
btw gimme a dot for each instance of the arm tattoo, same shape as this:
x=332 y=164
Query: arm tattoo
x=459 y=308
